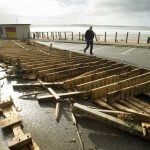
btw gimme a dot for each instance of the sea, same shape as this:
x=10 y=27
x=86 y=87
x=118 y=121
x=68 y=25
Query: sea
x=101 y=31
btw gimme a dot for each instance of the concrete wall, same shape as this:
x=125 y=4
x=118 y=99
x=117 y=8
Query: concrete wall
x=22 y=30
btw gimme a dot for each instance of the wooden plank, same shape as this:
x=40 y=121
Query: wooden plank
x=103 y=104
x=62 y=95
x=54 y=93
x=44 y=67
x=144 y=104
x=43 y=73
x=61 y=75
x=105 y=90
x=35 y=84
x=147 y=94
x=70 y=84
x=97 y=83
x=5 y=103
x=128 y=92
x=131 y=128
x=14 y=119
x=132 y=73
x=57 y=111
x=147 y=110
x=20 y=141
x=126 y=103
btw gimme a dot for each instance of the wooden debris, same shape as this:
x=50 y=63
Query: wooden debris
x=57 y=112
x=35 y=84
x=30 y=94
x=146 y=129
x=9 y=121
x=61 y=95
x=20 y=141
x=6 y=103
x=127 y=126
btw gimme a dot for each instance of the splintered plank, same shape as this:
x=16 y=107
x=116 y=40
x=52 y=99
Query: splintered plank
x=127 y=92
x=131 y=128
x=12 y=120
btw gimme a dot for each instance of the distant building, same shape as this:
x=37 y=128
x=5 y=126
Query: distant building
x=14 y=31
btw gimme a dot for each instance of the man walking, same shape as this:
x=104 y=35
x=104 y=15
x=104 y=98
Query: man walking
x=89 y=36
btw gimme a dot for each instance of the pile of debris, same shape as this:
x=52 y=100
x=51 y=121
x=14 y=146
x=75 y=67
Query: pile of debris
x=112 y=85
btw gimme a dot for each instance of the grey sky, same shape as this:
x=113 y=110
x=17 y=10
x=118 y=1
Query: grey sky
x=99 y=12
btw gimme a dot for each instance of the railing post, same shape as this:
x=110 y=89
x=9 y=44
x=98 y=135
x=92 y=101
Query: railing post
x=82 y=37
x=56 y=35
x=138 y=38
x=105 y=36
x=42 y=35
x=59 y=35
x=47 y=36
x=72 y=35
x=127 y=37
x=53 y=36
x=95 y=37
x=65 y=35
x=116 y=37
x=79 y=36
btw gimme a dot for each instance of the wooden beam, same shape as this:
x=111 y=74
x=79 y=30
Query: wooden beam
x=131 y=128
x=70 y=84
x=20 y=141
x=143 y=108
x=54 y=93
x=105 y=90
x=131 y=106
x=9 y=121
x=136 y=115
x=97 y=83
x=35 y=84
x=128 y=92
x=62 y=95
x=5 y=103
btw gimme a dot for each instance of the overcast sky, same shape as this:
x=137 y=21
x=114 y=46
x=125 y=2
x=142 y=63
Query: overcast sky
x=96 y=12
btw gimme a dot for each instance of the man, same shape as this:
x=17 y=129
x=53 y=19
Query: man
x=89 y=36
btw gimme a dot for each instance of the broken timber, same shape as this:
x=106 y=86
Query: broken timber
x=110 y=84
x=124 y=125
x=20 y=140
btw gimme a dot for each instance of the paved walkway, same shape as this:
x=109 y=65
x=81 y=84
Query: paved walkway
x=136 y=54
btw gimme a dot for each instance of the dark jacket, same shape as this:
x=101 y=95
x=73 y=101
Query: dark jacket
x=89 y=35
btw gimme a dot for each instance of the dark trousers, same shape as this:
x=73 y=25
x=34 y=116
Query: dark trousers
x=89 y=43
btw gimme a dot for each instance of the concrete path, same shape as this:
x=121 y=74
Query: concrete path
x=138 y=55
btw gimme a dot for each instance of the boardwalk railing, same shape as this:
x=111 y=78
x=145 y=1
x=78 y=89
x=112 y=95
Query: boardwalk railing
x=105 y=37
